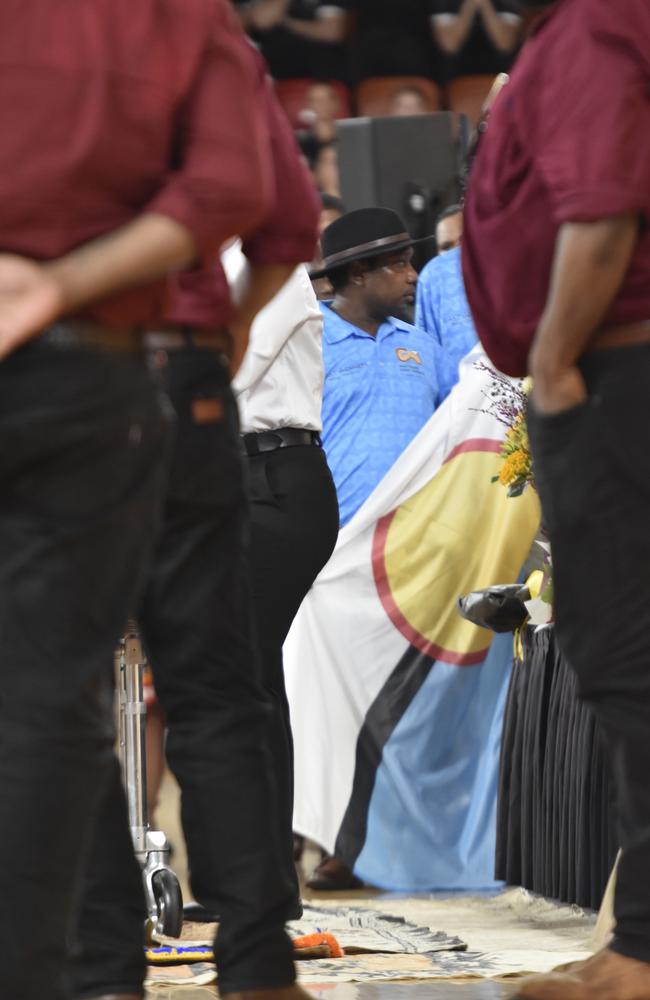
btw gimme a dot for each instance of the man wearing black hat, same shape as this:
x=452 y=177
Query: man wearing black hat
x=381 y=374
x=381 y=382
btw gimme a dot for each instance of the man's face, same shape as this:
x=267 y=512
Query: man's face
x=389 y=287
x=323 y=102
x=449 y=232
x=408 y=102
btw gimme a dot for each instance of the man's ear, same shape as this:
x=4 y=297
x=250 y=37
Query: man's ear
x=357 y=273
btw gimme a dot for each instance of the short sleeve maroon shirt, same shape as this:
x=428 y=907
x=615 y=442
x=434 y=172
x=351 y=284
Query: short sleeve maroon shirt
x=568 y=140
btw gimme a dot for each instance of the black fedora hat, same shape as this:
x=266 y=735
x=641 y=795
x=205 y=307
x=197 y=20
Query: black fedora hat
x=360 y=235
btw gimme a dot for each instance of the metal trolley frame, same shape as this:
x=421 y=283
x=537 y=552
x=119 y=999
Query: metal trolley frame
x=161 y=886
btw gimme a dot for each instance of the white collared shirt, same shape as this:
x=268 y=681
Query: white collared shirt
x=280 y=382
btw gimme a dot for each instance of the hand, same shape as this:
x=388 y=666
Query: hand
x=555 y=391
x=267 y=14
x=30 y=300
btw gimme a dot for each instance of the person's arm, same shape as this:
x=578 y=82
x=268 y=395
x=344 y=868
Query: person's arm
x=262 y=15
x=223 y=182
x=291 y=310
x=330 y=26
x=289 y=233
x=261 y=284
x=591 y=260
x=503 y=30
x=450 y=31
x=33 y=295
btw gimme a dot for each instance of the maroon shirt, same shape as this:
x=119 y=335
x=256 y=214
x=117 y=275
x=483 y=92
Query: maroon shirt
x=115 y=107
x=287 y=235
x=568 y=140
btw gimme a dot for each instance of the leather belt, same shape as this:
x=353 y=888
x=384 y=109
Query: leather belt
x=283 y=437
x=188 y=338
x=624 y=335
x=135 y=340
x=76 y=333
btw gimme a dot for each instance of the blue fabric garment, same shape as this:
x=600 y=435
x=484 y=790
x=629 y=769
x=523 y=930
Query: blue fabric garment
x=442 y=310
x=432 y=815
x=379 y=392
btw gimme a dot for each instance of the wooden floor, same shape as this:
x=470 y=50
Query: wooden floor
x=368 y=991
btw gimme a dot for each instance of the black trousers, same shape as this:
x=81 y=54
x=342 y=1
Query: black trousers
x=592 y=466
x=294 y=527
x=195 y=622
x=82 y=464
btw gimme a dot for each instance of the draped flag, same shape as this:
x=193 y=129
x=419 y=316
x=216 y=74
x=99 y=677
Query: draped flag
x=396 y=701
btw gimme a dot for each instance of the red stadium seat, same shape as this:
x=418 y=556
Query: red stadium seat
x=292 y=95
x=466 y=95
x=373 y=97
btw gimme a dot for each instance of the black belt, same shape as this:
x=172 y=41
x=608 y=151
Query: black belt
x=72 y=333
x=186 y=338
x=78 y=333
x=283 y=437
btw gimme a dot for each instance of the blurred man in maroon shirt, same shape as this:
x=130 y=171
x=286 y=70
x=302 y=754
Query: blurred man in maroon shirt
x=195 y=621
x=123 y=156
x=557 y=266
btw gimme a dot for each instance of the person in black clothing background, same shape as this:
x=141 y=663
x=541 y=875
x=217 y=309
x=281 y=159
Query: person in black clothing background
x=392 y=38
x=298 y=38
x=476 y=36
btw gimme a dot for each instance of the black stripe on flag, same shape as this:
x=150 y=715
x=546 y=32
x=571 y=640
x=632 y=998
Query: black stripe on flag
x=382 y=717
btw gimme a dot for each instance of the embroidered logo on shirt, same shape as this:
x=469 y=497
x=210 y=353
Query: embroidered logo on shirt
x=405 y=355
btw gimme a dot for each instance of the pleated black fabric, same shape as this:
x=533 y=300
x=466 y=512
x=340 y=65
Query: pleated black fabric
x=555 y=829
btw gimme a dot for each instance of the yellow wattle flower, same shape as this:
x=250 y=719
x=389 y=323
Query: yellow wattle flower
x=515 y=466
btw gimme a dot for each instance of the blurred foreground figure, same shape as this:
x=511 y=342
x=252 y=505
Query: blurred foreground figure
x=115 y=190
x=226 y=726
x=557 y=265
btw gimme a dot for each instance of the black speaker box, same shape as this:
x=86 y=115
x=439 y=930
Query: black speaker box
x=409 y=164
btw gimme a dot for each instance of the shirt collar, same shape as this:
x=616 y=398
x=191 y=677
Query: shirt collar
x=336 y=328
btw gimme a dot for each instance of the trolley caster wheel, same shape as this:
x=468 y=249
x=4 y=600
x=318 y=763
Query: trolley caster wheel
x=169 y=902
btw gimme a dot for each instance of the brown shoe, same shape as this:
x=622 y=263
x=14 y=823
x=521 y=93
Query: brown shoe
x=332 y=876
x=606 y=976
x=573 y=966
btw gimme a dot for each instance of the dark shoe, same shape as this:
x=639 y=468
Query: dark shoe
x=606 y=976
x=281 y=993
x=298 y=846
x=331 y=876
x=197 y=914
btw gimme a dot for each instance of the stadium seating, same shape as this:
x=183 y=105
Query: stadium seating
x=374 y=96
x=292 y=95
x=466 y=95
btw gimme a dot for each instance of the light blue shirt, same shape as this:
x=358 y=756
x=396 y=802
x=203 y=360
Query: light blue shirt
x=379 y=392
x=443 y=311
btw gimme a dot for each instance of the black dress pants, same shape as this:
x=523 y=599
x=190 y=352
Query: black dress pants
x=82 y=463
x=592 y=467
x=294 y=527
x=195 y=623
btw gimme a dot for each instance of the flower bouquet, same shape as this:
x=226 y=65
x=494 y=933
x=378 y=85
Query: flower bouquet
x=508 y=402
